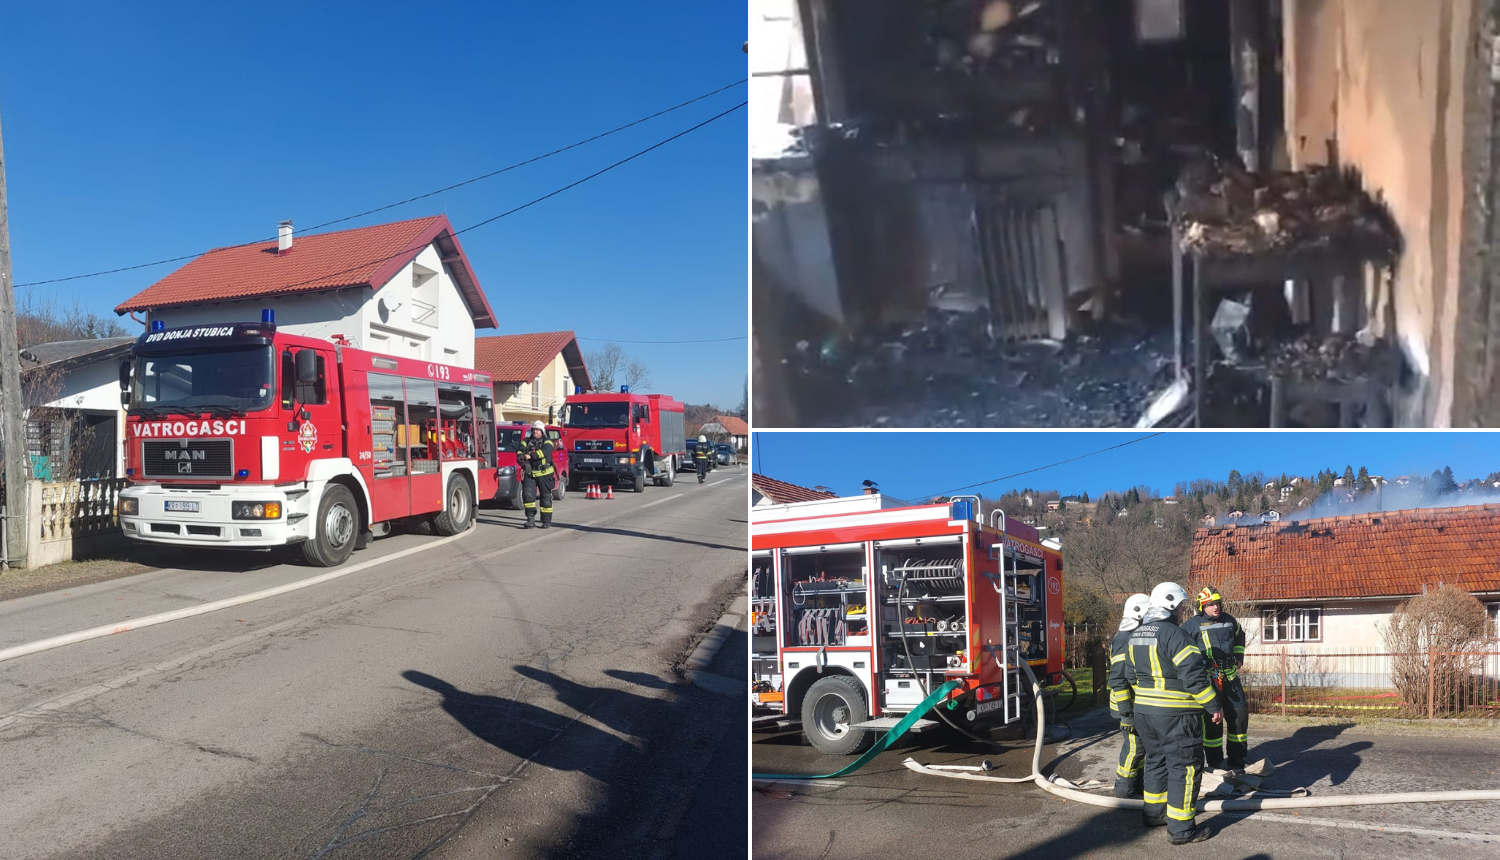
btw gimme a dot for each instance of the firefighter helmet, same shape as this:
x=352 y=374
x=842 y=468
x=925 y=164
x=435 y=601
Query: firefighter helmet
x=1168 y=596
x=538 y=425
x=1208 y=595
x=1136 y=606
x=702 y=439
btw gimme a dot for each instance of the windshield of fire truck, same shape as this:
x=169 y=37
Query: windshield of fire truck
x=597 y=414
x=238 y=380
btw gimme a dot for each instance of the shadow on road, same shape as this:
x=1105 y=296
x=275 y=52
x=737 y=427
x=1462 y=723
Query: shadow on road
x=528 y=731
x=1296 y=761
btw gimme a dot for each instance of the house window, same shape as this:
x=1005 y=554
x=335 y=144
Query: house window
x=536 y=393
x=1302 y=624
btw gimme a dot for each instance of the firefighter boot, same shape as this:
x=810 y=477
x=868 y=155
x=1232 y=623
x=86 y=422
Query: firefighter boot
x=1199 y=834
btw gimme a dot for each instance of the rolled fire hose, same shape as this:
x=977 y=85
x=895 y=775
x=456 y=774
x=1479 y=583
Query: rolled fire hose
x=1237 y=804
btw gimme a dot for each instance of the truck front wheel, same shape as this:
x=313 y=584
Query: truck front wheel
x=458 y=508
x=557 y=487
x=640 y=482
x=335 y=528
x=831 y=706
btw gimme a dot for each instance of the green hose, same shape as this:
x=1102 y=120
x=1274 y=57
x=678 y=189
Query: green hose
x=881 y=745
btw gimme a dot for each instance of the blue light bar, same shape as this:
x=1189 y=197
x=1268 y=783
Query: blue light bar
x=624 y=389
x=243 y=473
x=158 y=325
x=268 y=316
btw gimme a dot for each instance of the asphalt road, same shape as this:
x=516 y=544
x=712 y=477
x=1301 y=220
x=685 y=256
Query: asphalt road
x=507 y=693
x=885 y=810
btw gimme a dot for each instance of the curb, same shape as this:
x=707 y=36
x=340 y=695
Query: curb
x=708 y=648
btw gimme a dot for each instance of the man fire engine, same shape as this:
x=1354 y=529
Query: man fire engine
x=534 y=459
x=240 y=436
x=1170 y=691
x=1128 y=771
x=1222 y=639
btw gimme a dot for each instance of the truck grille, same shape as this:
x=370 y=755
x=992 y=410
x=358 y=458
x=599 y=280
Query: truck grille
x=188 y=458
x=595 y=445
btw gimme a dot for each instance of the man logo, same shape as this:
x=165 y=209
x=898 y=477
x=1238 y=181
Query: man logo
x=185 y=467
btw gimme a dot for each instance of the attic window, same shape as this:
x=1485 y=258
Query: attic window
x=424 y=295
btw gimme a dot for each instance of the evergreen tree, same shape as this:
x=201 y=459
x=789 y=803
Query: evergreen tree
x=1348 y=476
x=1444 y=481
x=1085 y=496
x=1362 y=482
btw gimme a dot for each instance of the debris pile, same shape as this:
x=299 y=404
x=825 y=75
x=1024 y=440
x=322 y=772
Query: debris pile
x=1331 y=359
x=976 y=38
x=1223 y=210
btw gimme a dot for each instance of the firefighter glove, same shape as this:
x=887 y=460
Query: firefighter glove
x=1127 y=726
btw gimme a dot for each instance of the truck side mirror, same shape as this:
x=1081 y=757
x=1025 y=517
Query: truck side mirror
x=125 y=383
x=307 y=367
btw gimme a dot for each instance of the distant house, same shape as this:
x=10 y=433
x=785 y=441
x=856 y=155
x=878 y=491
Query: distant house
x=1169 y=500
x=1234 y=515
x=1122 y=512
x=1269 y=485
x=1207 y=519
x=1329 y=583
x=404 y=288
x=1028 y=501
x=1286 y=492
x=79 y=431
x=532 y=373
x=766 y=492
x=1295 y=482
x=727 y=428
x=1053 y=505
x=1338 y=482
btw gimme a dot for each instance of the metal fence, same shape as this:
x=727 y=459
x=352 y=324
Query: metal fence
x=1424 y=684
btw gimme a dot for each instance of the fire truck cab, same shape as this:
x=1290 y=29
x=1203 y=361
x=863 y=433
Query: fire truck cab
x=243 y=437
x=862 y=606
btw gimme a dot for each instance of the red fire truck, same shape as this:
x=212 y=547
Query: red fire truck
x=624 y=437
x=861 y=607
x=243 y=437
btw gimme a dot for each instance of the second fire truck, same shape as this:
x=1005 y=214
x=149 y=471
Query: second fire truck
x=861 y=607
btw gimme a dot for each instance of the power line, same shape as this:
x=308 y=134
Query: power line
x=493 y=173
x=1048 y=466
x=528 y=204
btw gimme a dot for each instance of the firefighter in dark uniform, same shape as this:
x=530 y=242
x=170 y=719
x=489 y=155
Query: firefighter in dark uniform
x=1222 y=639
x=1128 y=771
x=1171 y=693
x=701 y=452
x=534 y=459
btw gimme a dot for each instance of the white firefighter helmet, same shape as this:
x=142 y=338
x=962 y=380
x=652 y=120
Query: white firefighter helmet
x=1136 y=606
x=538 y=425
x=1168 y=596
x=702 y=439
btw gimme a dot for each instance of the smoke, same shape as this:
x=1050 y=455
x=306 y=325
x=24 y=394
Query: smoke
x=1390 y=497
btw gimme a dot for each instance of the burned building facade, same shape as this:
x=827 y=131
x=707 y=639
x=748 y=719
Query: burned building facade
x=964 y=212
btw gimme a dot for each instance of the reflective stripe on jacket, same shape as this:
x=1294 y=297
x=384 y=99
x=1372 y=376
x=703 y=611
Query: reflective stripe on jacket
x=534 y=457
x=1222 y=640
x=1164 y=671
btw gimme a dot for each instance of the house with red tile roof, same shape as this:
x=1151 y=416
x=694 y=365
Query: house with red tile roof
x=727 y=428
x=533 y=373
x=769 y=491
x=404 y=288
x=1330 y=583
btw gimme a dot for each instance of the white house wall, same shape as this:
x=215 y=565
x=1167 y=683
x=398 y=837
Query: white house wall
x=96 y=388
x=355 y=314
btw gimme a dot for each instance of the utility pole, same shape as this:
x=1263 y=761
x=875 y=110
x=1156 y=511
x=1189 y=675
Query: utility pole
x=12 y=428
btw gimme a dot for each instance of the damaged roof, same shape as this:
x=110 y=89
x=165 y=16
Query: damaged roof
x=68 y=354
x=1375 y=555
x=783 y=493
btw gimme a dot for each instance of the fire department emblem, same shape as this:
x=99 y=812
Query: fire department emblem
x=307 y=437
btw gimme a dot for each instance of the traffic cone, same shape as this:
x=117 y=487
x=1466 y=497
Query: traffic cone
x=592 y=489
x=610 y=490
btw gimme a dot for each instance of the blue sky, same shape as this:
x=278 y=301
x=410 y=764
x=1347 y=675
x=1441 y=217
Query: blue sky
x=916 y=465
x=136 y=132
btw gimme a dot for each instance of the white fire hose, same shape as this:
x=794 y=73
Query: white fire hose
x=1235 y=804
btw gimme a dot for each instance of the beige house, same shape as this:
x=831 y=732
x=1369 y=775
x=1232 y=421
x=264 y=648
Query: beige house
x=533 y=373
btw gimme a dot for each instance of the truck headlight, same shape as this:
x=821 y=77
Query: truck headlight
x=129 y=507
x=505 y=471
x=256 y=510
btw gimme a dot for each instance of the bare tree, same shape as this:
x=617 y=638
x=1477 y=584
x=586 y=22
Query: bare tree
x=610 y=367
x=43 y=319
x=1438 y=634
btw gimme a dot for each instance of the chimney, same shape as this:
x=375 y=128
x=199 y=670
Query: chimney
x=870 y=491
x=284 y=237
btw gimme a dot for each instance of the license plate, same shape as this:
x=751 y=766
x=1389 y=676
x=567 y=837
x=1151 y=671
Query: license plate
x=986 y=707
x=183 y=507
x=593 y=459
